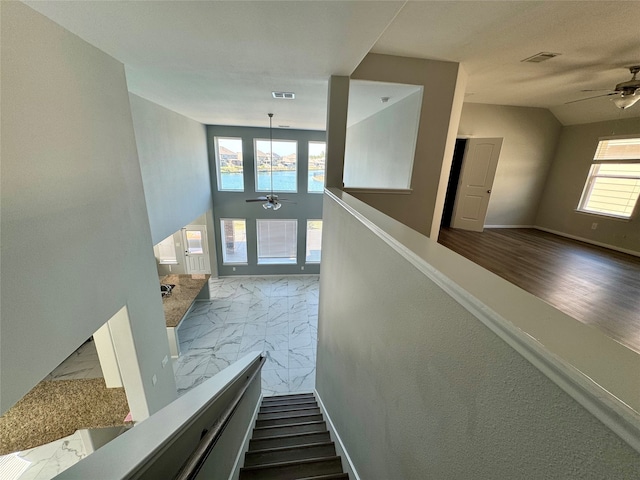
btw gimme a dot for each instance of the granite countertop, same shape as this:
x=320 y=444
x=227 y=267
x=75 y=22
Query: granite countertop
x=187 y=288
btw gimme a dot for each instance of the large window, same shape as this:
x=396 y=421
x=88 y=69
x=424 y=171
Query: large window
x=613 y=184
x=314 y=241
x=315 y=182
x=234 y=240
x=285 y=166
x=277 y=241
x=229 y=164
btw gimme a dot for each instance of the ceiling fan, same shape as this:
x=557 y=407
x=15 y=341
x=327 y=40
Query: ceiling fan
x=628 y=93
x=271 y=200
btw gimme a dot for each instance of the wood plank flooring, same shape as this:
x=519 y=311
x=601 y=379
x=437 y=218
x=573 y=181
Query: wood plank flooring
x=596 y=286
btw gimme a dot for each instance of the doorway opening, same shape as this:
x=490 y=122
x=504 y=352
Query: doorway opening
x=454 y=178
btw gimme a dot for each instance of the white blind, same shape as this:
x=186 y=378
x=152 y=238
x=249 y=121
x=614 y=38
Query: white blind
x=277 y=241
x=618 y=149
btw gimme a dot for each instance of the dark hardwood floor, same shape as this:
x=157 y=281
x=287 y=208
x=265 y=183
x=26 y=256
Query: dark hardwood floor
x=594 y=285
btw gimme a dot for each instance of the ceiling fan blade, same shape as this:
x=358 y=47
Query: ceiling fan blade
x=259 y=199
x=589 y=98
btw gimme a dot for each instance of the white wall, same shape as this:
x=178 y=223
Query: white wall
x=418 y=387
x=380 y=149
x=76 y=242
x=174 y=163
x=530 y=137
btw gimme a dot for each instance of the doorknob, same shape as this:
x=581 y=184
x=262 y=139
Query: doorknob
x=488 y=191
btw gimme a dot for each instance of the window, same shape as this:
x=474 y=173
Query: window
x=613 y=185
x=229 y=164
x=315 y=181
x=277 y=241
x=166 y=251
x=234 y=240
x=285 y=166
x=314 y=241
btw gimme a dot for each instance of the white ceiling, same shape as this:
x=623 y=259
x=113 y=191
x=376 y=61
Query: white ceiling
x=218 y=62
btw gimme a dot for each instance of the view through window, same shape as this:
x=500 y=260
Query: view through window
x=613 y=185
x=314 y=241
x=285 y=165
x=234 y=240
x=229 y=164
x=315 y=181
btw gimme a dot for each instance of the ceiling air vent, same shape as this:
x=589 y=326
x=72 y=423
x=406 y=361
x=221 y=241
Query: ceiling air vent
x=284 y=95
x=540 y=57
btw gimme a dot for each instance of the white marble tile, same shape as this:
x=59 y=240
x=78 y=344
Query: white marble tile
x=302 y=379
x=302 y=358
x=276 y=360
x=255 y=329
x=278 y=303
x=276 y=342
x=260 y=316
x=208 y=339
x=250 y=344
x=300 y=340
x=70 y=453
x=298 y=327
x=220 y=361
x=275 y=381
x=280 y=328
x=280 y=289
x=184 y=383
x=237 y=317
x=297 y=304
x=192 y=364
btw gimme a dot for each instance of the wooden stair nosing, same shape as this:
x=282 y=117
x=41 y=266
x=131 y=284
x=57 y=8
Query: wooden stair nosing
x=306 y=461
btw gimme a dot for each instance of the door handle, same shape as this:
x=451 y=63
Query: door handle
x=488 y=191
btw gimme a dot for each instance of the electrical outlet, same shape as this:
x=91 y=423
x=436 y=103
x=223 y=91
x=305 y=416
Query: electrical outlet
x=234 y=269
x=594 y=225
x=164 y=361
x=302 y=267
x=154 y=379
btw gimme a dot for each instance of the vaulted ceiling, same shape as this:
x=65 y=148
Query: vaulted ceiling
x=217 y=62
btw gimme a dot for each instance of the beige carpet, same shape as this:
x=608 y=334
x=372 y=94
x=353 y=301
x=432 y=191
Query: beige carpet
x=55 y=409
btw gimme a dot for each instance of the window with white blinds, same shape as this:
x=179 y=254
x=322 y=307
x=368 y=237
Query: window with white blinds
x=613 y=185
x=277 y=242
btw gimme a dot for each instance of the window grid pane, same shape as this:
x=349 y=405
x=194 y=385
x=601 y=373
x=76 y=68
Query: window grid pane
x=315 y=182
x=314 y=241
x=277 y=241
x=229 y=164
x=285 y=165
x=618 y=149
x=234 y=240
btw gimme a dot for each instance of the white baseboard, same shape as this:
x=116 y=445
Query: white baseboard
x=235 y=473
x=340 y=450
x=586 y=240
x=509 y=226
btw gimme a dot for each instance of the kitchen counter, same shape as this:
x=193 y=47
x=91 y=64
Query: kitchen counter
x=187 y=289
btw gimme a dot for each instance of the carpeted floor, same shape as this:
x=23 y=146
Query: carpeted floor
x=55 y=409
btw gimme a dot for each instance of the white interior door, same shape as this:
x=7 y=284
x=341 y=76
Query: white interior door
x=476 y=179
x=195 y=249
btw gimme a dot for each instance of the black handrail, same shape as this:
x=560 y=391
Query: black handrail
x=199 y=456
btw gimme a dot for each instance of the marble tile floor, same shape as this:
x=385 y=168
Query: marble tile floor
x=83 y=363
x=277 y=315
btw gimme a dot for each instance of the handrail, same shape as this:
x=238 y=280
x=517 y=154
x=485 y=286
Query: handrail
x=199 y=456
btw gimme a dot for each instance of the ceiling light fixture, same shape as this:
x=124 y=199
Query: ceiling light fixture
x=626 y=100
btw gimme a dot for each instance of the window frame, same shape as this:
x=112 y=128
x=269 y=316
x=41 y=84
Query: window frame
x=295 y=241
x=324 y=170
x=593 y=175
x=223 y=242
x=257 y=172
x=218 y=166
x=306 y=242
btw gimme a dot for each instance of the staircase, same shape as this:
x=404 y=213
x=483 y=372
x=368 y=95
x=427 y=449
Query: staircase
x=291 y=442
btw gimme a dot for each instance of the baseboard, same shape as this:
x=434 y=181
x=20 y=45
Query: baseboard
x=586 y=240
x=340 y=450
x=237 y=465
x=509 y=226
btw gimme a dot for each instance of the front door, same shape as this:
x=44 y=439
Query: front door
x=474 y=188
x=195 y=249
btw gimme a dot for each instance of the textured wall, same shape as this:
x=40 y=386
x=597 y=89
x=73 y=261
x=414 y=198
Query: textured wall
x=175 y=170
x=76 y=243
x=530 y=136
x=418 y=388
x=567 y=177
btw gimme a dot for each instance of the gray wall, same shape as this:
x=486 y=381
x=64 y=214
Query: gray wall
x=557 y=210
x=76 y=242
x=380 y=149
x=530 y=137
x=233 y=204
x=443 y=92
x=175 y=172
x=419 y=388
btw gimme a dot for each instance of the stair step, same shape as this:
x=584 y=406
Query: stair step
x=289 y=413
x=293 y=396
x=288 y=454
x=293 y=470
x=288 y=407
x=275 y=401
x=332 y=476
x=288 y=440
x=272 y=422
x=303 y=427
